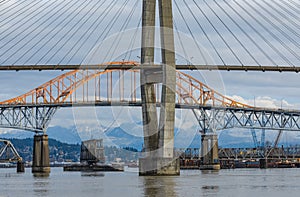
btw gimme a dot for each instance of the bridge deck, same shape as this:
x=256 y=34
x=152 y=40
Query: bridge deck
x=135 y=66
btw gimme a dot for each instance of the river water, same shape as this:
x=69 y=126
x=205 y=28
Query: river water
x=236 y=182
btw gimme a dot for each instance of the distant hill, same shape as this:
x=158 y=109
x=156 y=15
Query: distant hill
x=61 y=152
x=66 y=135
x=132 y=136
x=58 y=151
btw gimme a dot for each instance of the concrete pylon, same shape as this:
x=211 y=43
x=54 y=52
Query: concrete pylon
x=158 y=139
x=209 y=152
x=41 y=162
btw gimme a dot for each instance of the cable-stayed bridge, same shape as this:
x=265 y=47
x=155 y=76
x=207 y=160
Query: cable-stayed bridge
x=217 y=34
x=205 y=35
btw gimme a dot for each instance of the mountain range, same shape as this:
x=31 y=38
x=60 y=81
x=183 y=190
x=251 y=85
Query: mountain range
x=126 y=137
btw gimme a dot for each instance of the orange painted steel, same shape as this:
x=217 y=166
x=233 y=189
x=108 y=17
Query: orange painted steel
x=80 y=86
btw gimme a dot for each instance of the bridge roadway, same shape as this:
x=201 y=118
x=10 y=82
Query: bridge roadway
x=36 y=117
x=135 y=65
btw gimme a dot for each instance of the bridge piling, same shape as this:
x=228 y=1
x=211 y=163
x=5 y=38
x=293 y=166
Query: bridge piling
x=20 y=166
x=41 y=162
x=209 y=152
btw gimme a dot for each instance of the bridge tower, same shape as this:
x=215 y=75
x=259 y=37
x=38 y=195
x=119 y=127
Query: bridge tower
x=159 y=156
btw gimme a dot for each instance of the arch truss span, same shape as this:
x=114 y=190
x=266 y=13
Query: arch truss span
x=34 y=109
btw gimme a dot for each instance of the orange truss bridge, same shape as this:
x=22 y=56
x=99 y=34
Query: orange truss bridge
x=118 y=87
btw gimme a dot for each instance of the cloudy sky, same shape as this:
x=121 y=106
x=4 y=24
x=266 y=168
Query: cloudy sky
x=228 y=32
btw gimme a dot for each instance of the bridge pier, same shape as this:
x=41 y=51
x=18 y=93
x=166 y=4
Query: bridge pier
x=159 y=166
x=20 y=166
x=41 y=162
x=263 y=163
x=158 y=135
x=209 y=152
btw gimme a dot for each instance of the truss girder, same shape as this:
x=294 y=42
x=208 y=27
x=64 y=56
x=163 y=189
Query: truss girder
x=227 y=118
x=31 y=118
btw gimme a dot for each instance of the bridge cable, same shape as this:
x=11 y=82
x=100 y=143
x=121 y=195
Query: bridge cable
x=123 y=27
x=181 y=44
x=216 y=30
x=285 y=17
x=23 y=12
x=261 y=36
x=12 y=6
x=226 y=26
x=18 y=27
x=289 y=12
x=58 y=25
x=42 y=38
x=132 y=41
x=278 y=29
x=205 y=34
x=109 y=26
x=103 y=15
x=295 y=4
x=53 y=28
x=248 y=36
x=190 y=31
x=24 y=37
x=83 y=34
x=75 y=27
x=42 y=30
x=97 y=22
x=245 y=33
x=117 y=40
x=3 y=2
x=69 y=30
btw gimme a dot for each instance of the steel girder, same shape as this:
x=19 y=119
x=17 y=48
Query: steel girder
x=213 y=119
x=11 y=153
x=31 y=118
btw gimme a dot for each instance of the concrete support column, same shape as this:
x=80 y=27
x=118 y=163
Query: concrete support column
x=20 y=166
x=209 y=152
x=147 y=89
x=167 y=110
x=158 y=140
x=147 y=165
x=41 y=162
x=263 y=163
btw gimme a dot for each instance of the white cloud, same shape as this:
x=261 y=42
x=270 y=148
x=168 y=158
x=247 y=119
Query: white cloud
x=266 y=102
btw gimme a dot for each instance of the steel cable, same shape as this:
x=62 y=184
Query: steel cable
x=55 y=13
x=61 y=38
x=130 y=47
x=219 y=34
x=274 y=36
x=190 y=31
x=24 y=37
x=97 y=6
x=109 y=27
x=54 y=28
x=86 y=32
x=261 y=36
x=11 y=7
x=21 y=12
x=100 y=20
x=123 y=27
x=83 y=20
x=205 y=34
